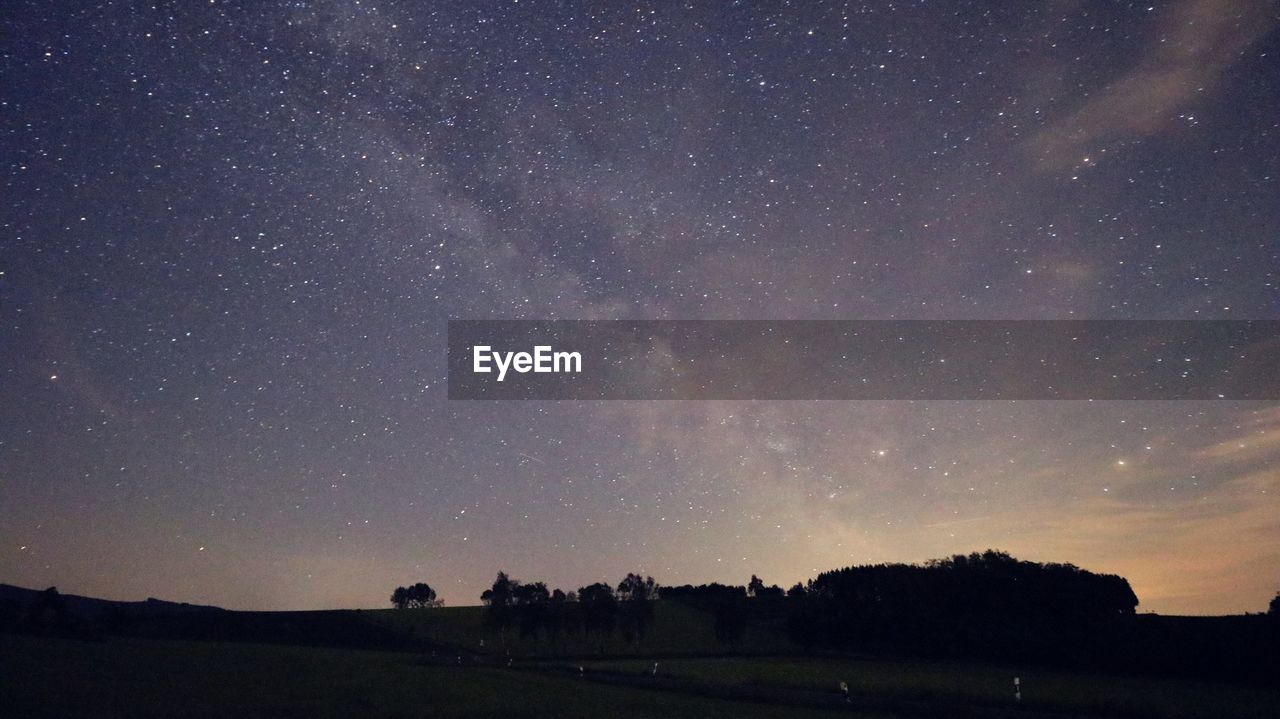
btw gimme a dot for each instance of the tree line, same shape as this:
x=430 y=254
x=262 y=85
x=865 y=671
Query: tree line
x=597 y=609
x=985 y=603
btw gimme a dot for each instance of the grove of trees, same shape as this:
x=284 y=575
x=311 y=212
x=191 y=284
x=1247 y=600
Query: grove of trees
x=417 y=596
x=597 y=609
x=986 y=602
x=985 y=599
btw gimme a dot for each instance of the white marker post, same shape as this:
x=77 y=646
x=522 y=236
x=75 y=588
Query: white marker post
x=1017 y=689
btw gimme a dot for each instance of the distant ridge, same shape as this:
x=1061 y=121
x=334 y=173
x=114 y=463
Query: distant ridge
x=93 y=608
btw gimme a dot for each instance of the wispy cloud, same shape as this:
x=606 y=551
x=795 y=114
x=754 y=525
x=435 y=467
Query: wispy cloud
x=1193 y=45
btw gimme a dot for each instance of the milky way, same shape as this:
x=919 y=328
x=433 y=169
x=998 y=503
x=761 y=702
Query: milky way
x=232 y=236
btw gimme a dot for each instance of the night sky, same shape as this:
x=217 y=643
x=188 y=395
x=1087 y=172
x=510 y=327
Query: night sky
x=231 y=236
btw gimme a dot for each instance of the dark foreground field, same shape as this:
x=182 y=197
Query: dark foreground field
x=45 y=677
x=119 y=677
x=93 y=658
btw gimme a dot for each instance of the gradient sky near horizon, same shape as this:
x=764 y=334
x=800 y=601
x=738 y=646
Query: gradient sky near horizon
x=231 y=235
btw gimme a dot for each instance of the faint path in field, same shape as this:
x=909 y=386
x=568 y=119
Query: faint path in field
x=807 y=698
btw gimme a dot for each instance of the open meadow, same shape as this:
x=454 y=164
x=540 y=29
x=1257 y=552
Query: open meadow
x=447 y=662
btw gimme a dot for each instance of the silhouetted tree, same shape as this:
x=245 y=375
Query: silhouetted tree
x=498 y=600
x=1274 y=608
x=731 y=621
x=772 y=591
x=501 y=591
x=570 y=615
x=637 y=595
x=804 y=619
x=530 y=601
x=423 y=596
x=599 y=609
x=49 y=611
x=555 y=615
x=418 y=596
x=754 y=586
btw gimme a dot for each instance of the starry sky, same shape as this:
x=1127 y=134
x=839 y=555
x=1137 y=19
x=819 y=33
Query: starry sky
x=232 y=234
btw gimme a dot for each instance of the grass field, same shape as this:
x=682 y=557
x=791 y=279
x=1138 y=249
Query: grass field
x=324 y=664
x=48 y=677
x=43 y=677
x=888 y=682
